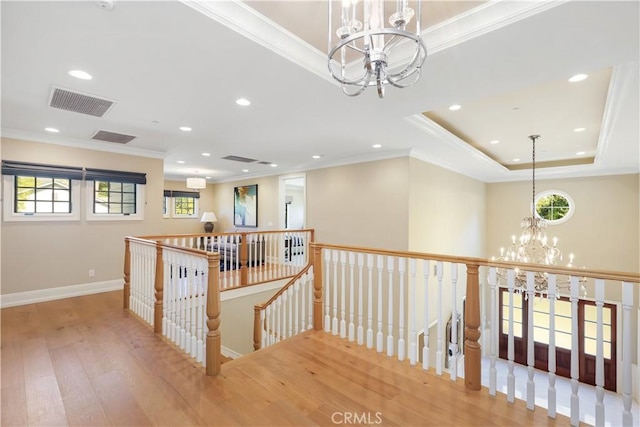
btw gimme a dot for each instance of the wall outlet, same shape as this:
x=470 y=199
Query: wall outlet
x=92 y=273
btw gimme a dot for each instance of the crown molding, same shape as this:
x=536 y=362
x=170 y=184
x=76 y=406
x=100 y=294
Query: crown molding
x=80 y=143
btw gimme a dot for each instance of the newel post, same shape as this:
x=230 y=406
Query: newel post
x=214 y=340
x=127 y=274
x=472 y=350
x=244 y=256
x=317 y=287
x=257 y=330
x=159 y=290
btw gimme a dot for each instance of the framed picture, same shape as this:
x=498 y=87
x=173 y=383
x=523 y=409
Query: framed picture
x=245 y=206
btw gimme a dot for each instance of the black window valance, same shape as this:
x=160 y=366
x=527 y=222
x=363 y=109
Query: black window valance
x=117 y=176
x=10 y=167
x=175 y=193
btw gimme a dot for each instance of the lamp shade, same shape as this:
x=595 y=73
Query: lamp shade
x=196 y=183
x=208 y=217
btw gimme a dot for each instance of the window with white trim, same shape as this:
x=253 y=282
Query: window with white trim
x=181 y=204
x=554 y=206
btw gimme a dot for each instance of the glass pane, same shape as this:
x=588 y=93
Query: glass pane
x=563 y=340
x=606 y=315
x=25 y=207
x=61 y=183
x=115 y=197
x=128 y=187
x=590 y=348
x=128 y=198
x=44 y=207
x=102 y=196
x=541 y=319
x=26 y=194
x=61 y=207
x=100 y=208
x=517 y=330
x=115 y=186
x=541 y=335
x=563 y=308
x=44 y=182
x=101 y=186
x=129 y=208
x=61 y=195
x=26 y=181
x=115 y=208
x=44 y=194
x=563 y=324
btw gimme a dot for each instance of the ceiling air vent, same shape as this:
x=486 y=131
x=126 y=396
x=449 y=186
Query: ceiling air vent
x=79 y=102
x=239 y=159
x=264 y=163
x=103 y=135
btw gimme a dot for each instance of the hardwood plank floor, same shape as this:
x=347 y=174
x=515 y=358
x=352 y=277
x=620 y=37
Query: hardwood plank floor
x=87 y=362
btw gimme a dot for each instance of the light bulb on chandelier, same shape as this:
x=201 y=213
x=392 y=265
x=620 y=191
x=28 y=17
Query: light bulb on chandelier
x=532 y=248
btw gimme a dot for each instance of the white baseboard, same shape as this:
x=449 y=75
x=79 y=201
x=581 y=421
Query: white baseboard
x=227 y=352
x=50 y=294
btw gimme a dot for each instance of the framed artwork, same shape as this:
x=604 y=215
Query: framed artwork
x=245 y=206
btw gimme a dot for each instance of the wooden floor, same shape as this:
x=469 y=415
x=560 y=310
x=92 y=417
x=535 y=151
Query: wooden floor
x=85 y=361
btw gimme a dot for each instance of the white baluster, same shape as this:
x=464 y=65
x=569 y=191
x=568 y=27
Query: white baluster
x=390 y=267
x=370 y=301
x=401 y=341
x=334 y=321
x=511 y=379
x=360 y=330
x=301 y=293
x=493 y=337
x=379 y=336
x=453 y=360
x=327 y=288
x=413 y=352
x=278 y=331
x=352 y=327
x=627 y=305
x=439 y=354
x=531 y=386
x=310 y=286
x=187 y=327
x=599 y=354
x=165 y=293
x=343 y=295
x=289 y=293
x=575 y=371
x=551 y=394
x=426 y=266
x=264 y=328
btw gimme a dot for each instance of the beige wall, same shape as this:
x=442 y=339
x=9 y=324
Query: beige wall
x=41 y=255
x=364 y=204
x=267 y=204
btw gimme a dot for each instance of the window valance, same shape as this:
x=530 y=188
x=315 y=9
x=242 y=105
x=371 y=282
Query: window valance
x=117 y=176
x=176 y=193
x=10 y=167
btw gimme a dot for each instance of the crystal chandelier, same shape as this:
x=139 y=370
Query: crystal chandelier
x=361 y=31
x=533 y=247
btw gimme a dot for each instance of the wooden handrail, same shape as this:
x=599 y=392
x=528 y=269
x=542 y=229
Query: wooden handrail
x=596 y=274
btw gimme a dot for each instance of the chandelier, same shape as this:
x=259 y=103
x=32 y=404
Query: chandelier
x=533 y=247
x=389 y=55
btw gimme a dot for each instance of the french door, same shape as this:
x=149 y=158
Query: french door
x=587 y=334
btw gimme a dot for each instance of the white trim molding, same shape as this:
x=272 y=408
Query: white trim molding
x=51 y=294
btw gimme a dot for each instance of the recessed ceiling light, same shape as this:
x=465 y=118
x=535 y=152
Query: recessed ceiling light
x=273 y=165
x=181 y=162
x=243 y=102
x=377 y=146
x=185 y=129
x=516 y=160
x=52 y=130
x=206 y=154
x=207 y=177
x=245 y=170
x=579 y=129
x=578 y=78
x=495 y=141
x=79 y=74
x=316 y=156
x=455 y=107
x=581 y=153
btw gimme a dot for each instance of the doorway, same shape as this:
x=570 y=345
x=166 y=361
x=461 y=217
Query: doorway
x=292 y=202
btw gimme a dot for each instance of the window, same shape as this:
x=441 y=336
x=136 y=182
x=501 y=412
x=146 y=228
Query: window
x=114 y=198
x=181 y=204
x=41 y=192
x=554 y=206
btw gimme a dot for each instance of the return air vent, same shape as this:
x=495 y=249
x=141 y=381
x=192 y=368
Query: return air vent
x=240 y=159
x=79 y=102
x=119 y=138
x=264 y=163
